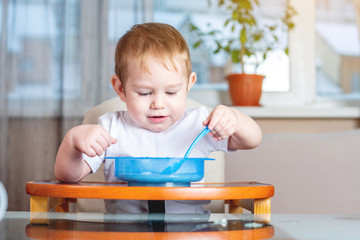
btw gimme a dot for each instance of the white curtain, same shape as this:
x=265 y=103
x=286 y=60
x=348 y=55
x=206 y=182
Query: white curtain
x=56 y=59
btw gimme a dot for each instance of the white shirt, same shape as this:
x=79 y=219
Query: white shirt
x=138 y=142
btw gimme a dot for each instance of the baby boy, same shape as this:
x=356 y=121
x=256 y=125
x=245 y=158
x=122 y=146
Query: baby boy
x=153 y=75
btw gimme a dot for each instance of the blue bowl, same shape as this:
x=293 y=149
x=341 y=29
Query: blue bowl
x=149 y=171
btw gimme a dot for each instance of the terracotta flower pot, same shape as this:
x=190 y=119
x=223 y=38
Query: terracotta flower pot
x=245 y=89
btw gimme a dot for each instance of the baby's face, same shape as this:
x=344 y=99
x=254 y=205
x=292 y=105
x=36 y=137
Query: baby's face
x=155 y=99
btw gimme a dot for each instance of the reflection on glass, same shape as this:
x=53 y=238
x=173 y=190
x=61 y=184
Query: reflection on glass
x=143 y=223
x=337 y=48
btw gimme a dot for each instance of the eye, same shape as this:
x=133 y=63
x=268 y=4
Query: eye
x=171 y=92
x=144 y=93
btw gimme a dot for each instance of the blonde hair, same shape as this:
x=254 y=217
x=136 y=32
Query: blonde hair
x=158 y=40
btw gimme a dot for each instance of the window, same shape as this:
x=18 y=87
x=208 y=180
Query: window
x=297 y=72
x=210 y=67
x=337 y=49
x=42 y=37
x=121 y=15
x=58 y=48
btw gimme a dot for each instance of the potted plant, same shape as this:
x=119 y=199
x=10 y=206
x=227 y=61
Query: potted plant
x=249 y=42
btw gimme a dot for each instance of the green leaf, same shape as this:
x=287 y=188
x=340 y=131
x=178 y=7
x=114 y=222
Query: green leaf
x=218 y=47
x=197 y=44
x=227 y=22
x=227 y=48
x=264 y=56
x=286 y=50
x=258 y=36
x=291 y=25
x=193 y=27
x=244 y=4
x=213 y=32
x=235 y=55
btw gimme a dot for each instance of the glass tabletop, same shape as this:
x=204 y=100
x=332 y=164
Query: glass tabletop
x=16 y=225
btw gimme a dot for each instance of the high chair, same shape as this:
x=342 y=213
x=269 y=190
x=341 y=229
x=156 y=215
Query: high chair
x=88 y=194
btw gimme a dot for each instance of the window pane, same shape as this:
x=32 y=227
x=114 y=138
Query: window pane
x=72 y=60
x=209 y=66
x=121 y=16
x=42 y=48
x=337 y=49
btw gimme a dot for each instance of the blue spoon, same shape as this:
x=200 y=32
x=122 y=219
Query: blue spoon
x=203 y=133
x=173 y=168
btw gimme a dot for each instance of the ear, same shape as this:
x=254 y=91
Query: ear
x=118 y=87
x=192 y=81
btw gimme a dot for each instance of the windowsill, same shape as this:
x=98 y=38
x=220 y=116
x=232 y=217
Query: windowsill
x=323 y=108
x=313 y=111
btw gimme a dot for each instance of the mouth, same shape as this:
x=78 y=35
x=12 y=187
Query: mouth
x=157 y=119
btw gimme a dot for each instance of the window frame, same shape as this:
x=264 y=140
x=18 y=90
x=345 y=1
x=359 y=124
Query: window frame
x=302 y=65
x=95 y=80
x=302 y=60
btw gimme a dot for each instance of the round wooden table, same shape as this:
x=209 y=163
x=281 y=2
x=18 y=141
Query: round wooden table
x=41 y=191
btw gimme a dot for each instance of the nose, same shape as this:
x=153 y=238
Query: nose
x=157 y=101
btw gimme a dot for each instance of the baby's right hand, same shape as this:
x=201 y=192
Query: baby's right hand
x=90 y=139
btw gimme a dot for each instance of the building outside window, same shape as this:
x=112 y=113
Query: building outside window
x=337 y=49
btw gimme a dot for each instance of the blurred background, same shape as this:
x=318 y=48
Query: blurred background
x=57 y=58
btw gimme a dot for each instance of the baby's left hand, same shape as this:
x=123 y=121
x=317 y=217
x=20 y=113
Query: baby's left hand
x=222 y=122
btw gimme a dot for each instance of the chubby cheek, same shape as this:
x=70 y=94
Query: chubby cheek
x=137 y=111
x=177 y=110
